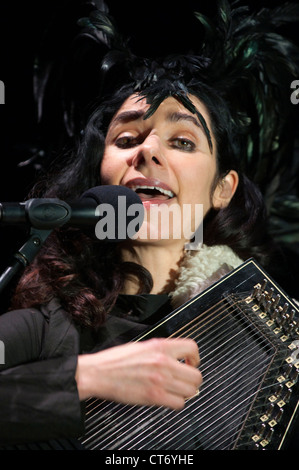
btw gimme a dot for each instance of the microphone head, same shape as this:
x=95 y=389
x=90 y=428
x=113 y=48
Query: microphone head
x=119 y=212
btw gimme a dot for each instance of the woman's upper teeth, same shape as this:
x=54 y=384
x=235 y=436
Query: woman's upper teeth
x=157 y=188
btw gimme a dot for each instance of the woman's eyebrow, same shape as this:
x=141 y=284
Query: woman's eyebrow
x=178 y=116
x=127 y=116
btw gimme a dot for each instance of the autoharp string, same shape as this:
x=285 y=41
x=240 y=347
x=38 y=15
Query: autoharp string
x=206 y=406
x=184 y=328
x=196 y=328
x=202 y=412
x=131 y=416
x=118 y=440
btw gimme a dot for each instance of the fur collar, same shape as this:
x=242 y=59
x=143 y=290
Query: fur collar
x=202 y=268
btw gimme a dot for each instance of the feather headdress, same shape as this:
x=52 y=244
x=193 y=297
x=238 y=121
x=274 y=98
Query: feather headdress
x=239 y=55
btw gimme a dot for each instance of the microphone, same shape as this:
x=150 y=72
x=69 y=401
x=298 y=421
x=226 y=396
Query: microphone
x=110 y=210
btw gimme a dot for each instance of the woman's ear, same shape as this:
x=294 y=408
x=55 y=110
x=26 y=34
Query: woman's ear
x=225 y=190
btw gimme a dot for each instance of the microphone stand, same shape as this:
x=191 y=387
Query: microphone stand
x=25 y=255
x=43 y=215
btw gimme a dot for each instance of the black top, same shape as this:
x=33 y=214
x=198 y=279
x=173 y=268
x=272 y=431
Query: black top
x=38 y=393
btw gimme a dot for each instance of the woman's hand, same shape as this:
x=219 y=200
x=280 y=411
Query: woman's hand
x=144 y=373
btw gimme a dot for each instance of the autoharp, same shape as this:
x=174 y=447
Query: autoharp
x=246 y=328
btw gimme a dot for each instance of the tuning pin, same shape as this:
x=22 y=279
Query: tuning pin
x=275 y=314
x=294 y=374
x=296 y=325
x=286 y=395
x=291 y=315
x=256 y=290
x=270 y=409
x=285 y=308
x=269 y=434
x=281 y=319
x=258 y=294
x=287 y=368
x=275 y=301
x=261 y=429
x=279 y=390
x=291 y=322
x=278 y=415
x=270 y=293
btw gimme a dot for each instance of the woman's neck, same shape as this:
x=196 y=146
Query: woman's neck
x=163 y=264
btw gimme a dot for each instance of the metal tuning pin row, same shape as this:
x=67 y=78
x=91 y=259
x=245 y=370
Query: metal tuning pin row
x=276 y=314
x=273 y=413
x=271 y=305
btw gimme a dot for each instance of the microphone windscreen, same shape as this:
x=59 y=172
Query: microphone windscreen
x=119 y=210
x=108 y=194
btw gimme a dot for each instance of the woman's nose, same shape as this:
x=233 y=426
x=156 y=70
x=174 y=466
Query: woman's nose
x=149 y=153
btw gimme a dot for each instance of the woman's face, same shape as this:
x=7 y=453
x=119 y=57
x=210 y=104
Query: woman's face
x=167 y=160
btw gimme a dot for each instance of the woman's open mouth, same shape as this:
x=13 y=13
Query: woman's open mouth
x=155 y=193
x=148 y=193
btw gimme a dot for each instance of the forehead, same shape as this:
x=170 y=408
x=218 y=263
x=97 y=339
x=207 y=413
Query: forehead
x=167 y=106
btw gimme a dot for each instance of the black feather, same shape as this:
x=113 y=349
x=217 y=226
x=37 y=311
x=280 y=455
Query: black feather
x=240 y=54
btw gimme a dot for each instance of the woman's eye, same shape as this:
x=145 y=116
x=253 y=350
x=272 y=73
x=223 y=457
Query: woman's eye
x=126 y=141
x=183 y=144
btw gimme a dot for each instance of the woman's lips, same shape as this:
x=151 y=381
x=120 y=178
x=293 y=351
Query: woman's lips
x=151 y=191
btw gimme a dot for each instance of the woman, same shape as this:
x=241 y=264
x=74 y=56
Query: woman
x=170 y=137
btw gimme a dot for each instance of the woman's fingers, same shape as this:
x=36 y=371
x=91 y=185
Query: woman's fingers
x=160 y=372
x=173 y=375
x=183 y=349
